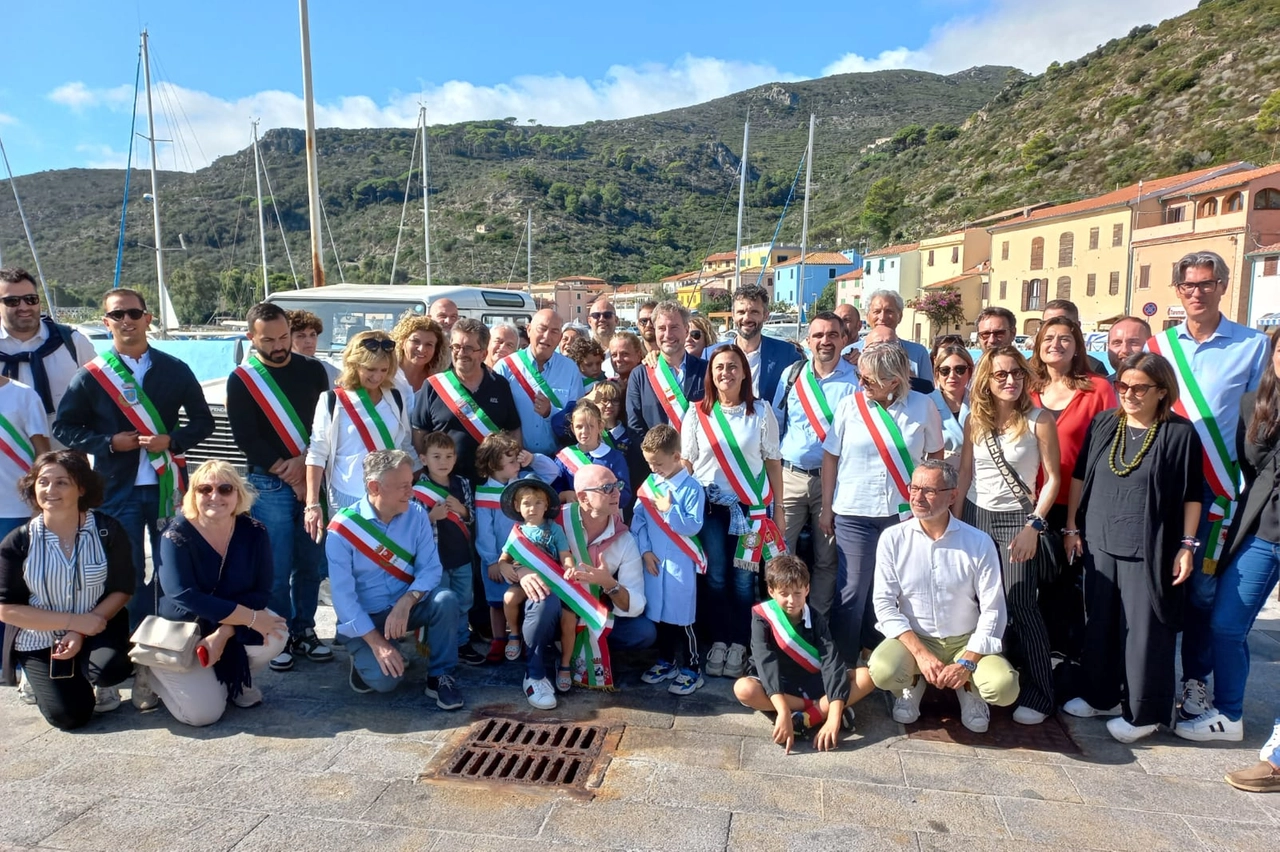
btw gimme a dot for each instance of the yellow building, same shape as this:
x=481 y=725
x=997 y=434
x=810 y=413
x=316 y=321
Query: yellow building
x=959 y=261
x=762 y=254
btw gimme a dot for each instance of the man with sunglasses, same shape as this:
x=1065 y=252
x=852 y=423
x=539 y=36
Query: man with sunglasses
x=1217 y=362
x=603 y=319
x=122 y=408
x=35 y=350
x=544 y=383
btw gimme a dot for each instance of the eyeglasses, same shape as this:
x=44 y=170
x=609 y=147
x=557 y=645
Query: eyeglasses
x=224 y=489
x=695 y=334
x=132 y=313
x=1002 y=376
x=987 y=335
x=13 y=301
x=602 y=315
x=464 y=350
x=607 y=488
x=373 y=344
x=1186 y=288
x=645 y=321
x=1139 y=391
x=929 y=493
x=958 y=369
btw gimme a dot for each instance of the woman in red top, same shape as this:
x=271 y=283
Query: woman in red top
x=1064 y=387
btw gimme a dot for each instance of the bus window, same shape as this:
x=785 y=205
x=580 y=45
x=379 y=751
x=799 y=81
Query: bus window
x=492 y=320
x=345 y=319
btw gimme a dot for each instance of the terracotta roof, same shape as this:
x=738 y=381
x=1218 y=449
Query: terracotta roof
x=722 y=255
x=681 y=276
x=1178 y=238
x=951 y=282
x=580 y=279
x=850 y=276
x=902 y=248
x=1233 y=179
x=1274 y=248
x=822 y=258
x=1119 y=198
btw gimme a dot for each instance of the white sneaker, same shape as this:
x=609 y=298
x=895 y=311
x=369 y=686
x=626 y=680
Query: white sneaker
x=1082 y=709
x=974 y=712
x=906 y=708
x=105 y=699
x=715 y=660
x=1210 y=726
x=1271 y=747
x=1194 y=700
x=541 y=694
x=250 y=696
x=1027 y=716
x=735 y=662
x=143 y=694
x=26 y=694
x=1128 y=733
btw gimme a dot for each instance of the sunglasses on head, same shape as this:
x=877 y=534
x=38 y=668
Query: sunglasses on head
x=373 y=344
x=602 y=315
x=225 y=489
x=120 y=313
x=958 y=369
x=13 y=301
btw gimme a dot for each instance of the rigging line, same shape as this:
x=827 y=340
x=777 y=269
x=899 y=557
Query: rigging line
x=128 y=171
x=715 y=231
x=31 y=243
x=235 y=232
x=519 y=245
x=324 y=216
x=165 y=75
x=404 y=208
x=283 y=238
x=790 y=194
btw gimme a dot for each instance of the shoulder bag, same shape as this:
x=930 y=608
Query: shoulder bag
x=1050 y=548
x=163 y=643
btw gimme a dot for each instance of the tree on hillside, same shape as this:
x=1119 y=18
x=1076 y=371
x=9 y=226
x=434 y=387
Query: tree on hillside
x=1269 y=115
x=826 y=301
x=882 y=207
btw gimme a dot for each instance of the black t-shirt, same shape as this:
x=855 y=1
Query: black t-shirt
x=1116 y=517
x=302 y=381
x=493 y=396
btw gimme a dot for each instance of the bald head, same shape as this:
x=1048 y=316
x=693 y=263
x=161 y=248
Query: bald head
x=596 y=505
x=881 y=334
x=603 y=319
x=545 y=331
x=445 y=312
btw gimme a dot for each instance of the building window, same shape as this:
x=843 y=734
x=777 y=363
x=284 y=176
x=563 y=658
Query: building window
x=955 y=254
x=1066 y=249
x=1004 y=250
x=1117 y=236
x=1269 y=265
x=868 y=267
x=1090 y=284
x=1037 y=253
x=881 y=266
x=1267 y=199
x=1004 y=290
x=891 y=264
x=1235 y=203
x=1064 y=287
x=1174 y=214
x=831 y=273
x=986 y=287
x=1033 y=294
x=1093 y=239
x=781 y=258
x=1113 y=286
x=931 y=257
x=1208 y=207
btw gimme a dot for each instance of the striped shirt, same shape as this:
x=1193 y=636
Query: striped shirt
x=60 y=583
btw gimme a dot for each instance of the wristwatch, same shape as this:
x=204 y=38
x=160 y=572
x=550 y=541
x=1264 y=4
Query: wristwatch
x=1192 y=544
x=416 y=595
x=1036 y=523
x=970 y=665
x=617 y=587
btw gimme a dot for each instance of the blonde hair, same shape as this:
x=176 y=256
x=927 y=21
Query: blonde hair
x=411 y=322
x=982 y=402
x=884 y=362
x=213 y=472
x=355 y=356
x=708 y=329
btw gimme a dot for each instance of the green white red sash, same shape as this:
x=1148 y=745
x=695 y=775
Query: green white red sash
x=370 y=425
x=489 y=496
x=891 y=446
x=589 y=381
x=595 y=620
x=15 y=446
x=761 y=542
x=279 y=410
x=813 y=399
x=373 y=543
x=127 y=393
x=663 y=381
x=459 y=400
x=526 y=373
x=608 y=438
x=1220 y=469
x=431 y=495
x=788 y=638
x=573 y=459
x=689 y=545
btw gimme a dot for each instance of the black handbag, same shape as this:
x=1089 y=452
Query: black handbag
x=1049 y=549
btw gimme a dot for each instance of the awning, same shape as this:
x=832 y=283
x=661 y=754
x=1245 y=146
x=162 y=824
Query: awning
x=1269 y=320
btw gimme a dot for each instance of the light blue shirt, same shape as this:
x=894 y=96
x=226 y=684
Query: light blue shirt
x=917 y=354
x=1227 y=365
x=952 y=426
x=360 y=587
x=564 y=378
x=800 y=444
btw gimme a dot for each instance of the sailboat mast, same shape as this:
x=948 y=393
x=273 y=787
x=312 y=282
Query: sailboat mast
x=742 y=197
x=155 y=190
x=804 y=227
x=313 y=174
x=262 y=216
x=26 y=228
x=529 y=248
x=426 y=192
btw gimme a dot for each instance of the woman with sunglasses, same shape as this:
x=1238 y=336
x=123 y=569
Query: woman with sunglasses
x=65 y=578
x=364 y=413
x=422 y=352
x=1008 y=442
x=215 y=570
x=702 y=335
x=952 y=370
x=1132 y=516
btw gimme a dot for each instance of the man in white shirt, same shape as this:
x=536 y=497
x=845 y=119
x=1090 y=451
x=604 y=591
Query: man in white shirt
x=940 y=603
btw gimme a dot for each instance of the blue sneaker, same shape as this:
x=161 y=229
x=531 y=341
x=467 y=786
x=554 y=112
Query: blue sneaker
x=687 y=682
x=661 y=671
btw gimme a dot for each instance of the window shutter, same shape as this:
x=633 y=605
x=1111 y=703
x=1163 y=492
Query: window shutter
x=1114 y=286
x=1117 y=235
x=1093 y=239
x=1144 y=276
x=1037 y=253
x=1004 y=250
x=1269 y=265
x=1066 y=249
x=1004 y=290
x=1064 y=287
x=1026 y=295
x=1091 y=284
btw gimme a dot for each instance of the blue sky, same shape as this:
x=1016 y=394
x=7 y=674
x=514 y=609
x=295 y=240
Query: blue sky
x=67 y=91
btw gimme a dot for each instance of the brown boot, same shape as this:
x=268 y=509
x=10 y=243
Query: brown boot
x=1262 y=778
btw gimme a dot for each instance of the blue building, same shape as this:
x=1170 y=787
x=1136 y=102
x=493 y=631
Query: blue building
x=821 y=268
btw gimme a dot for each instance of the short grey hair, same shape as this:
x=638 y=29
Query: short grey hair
x=950 y=473
x=888 y=295
x=884 y=362
x=504 y=326
x=379 y=464
x=671 y=306
x=1213 y=260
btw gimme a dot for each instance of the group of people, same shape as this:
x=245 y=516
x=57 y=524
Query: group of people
x=815 y=522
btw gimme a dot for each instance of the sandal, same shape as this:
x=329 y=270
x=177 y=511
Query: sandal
x=512 y=651
x=564 y=678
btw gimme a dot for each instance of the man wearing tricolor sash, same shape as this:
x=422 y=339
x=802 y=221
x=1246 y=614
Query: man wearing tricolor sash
x=544 y=382
x=23 y=436
x=123 y=409
x=271 y=405
x=385 y=572
x=1216 y=362
x=805 y=406
x=670 y=379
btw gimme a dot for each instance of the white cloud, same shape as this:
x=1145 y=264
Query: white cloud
x=80 y=97
x=102 y=157
x=852 y=63
x=7 y=119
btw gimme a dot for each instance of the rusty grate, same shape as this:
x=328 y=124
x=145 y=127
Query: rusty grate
x=513 y=751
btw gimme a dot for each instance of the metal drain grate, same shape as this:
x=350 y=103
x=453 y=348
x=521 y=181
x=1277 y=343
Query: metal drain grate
x=512 y=751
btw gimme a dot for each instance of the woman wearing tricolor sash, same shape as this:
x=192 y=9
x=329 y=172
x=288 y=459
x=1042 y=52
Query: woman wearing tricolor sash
x=730 y=440
x=877 y=438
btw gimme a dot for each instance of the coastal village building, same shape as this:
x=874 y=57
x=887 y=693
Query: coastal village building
x=570 y=297
x=849 y=288
x=1264 y=286
x=820 y=269
x=958 y=261
x=895 y=268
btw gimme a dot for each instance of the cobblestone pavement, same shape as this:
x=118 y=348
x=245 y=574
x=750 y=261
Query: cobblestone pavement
x=319 y=767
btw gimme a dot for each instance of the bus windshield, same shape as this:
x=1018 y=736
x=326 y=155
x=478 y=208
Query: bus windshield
x=342 y=320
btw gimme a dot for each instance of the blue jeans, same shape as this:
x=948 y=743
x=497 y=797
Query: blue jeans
x=542 y=628
x=137 y=508
x=1197 y=637
x=731 y=591
x=852 y=613
x=1243 y=588
x=438 y=612
x=298 y=561
x=458 y=580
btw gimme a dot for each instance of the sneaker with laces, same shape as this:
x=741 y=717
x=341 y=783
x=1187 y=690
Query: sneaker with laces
x=1082 y=709
x=250 y=696
x=974 y=712
x=26 y=694
x=687 y=682
x=1126 y=732
x=445 y=691
x=143 y=694
x=470 y=656
x=308 y=644
x=715 y=660
x=358 y=686
x=735 y=662
x=659 y=672
x=1271 y=748
x=540 y=693
x=1210 y=726
x=1194 y=700
x=105 y=699
x=1260 y=778
x=906 y=707
x=847 y=720
x=283 y=661
x=799 y=727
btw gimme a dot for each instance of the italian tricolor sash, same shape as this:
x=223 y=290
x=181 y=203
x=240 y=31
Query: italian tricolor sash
x=891 y=446
x=432 y=495
x=370 y=425
x=459 y=400
x=813 y=399
x=788 y=638
x=1221 y=471
x=594 y=618
x=688 y=544
x=128 y=395
x=761 y=542
x=573 y=459
x=15 y=446
x=284 y=419
x=663 y=381
x=489 y=496
x=527 y=374
x=373 y=543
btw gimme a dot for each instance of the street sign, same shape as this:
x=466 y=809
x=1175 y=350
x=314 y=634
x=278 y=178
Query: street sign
x=1149 y=309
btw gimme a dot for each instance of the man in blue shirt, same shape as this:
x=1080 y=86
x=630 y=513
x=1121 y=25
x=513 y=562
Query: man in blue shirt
x=385 y=572
x=767 y=356
x=806 y=399
x=884 y=310
x=544 y=382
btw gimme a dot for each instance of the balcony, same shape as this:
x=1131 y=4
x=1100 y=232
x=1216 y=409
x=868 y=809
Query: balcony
x=1192 y=226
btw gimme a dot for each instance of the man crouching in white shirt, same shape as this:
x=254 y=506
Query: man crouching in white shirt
x=939 y=601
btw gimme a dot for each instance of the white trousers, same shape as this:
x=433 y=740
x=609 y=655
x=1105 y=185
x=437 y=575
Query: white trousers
x=196 y=698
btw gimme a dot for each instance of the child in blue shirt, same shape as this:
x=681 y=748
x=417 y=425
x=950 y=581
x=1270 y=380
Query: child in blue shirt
x=588 y=427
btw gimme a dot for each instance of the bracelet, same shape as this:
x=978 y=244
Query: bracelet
x=970 y=665
x=312 y=506
x=1070 y=532
x=617 y=587
x=1191 y=543
x=252 y=620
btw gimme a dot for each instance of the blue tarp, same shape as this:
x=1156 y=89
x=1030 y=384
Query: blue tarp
x=208 y=359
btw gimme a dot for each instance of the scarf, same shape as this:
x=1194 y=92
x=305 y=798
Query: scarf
x=39 y=378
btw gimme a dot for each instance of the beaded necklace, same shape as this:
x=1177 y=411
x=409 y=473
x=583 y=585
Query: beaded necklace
x=1118 y=448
